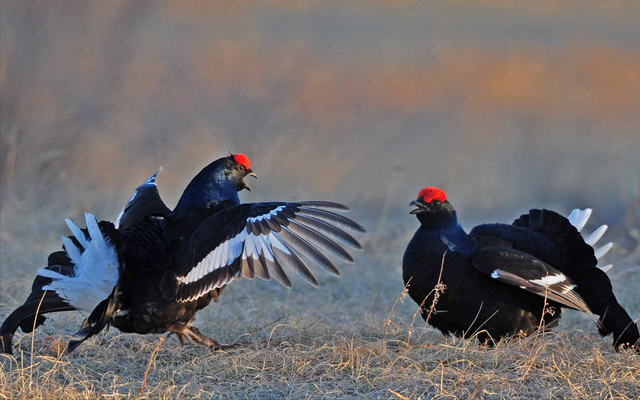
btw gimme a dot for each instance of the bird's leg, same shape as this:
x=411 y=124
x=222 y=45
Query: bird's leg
x=193 y=334
x=178 y=334
x=198 y=337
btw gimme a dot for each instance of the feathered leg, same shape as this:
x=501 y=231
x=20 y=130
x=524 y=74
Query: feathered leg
x=192 y=334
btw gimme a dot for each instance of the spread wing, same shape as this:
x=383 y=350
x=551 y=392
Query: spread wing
x=145 y=201
x=257 y=239
x=518 y=268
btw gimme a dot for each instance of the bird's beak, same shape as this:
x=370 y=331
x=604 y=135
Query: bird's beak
x=244 y=184
x=421 y=207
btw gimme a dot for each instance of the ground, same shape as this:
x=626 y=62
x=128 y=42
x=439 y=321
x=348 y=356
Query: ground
x=349 y=338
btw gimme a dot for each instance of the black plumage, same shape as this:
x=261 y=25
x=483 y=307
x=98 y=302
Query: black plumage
x=498 y=276
x=161 y=266
x=145 y=201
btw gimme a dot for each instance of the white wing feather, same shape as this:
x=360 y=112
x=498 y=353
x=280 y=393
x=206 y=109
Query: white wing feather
x=226 y=253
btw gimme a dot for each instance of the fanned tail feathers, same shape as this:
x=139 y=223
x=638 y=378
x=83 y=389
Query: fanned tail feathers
x=96 y=268
x=79 y=278
x=579 y=218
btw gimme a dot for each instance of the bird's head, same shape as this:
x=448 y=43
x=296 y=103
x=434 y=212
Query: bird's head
x=432 y=207
x=236 y=168
x=218 y=182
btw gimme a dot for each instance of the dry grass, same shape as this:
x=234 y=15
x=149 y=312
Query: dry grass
x=289 y=361
x=338 y=341
x=354 y=337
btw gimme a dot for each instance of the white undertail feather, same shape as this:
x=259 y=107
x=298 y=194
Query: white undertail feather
x=579 y=218
x=606 y=268
x=596 y=235
x=601 y=251
x=96 y=268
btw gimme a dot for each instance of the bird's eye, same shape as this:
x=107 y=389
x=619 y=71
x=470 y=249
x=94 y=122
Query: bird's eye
x=241 y=167
x=436 y=202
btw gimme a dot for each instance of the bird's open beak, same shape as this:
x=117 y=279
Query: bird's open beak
x=421 y=207
x=244 y=184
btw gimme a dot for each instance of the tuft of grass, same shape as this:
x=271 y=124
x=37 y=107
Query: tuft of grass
x=353 y=337
x=339 y=341
x=294 y=362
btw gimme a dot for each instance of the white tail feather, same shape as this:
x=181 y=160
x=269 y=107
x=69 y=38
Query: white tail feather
x=96 y=269
x=72 y=250
x=601 y=251
x=606 y=268
x=579 y=218
x=94 y=230
x=572 y=216
x=596 y=235
x=77 y=232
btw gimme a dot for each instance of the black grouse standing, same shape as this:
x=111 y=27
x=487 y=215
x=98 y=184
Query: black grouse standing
x=155 y=268
x=498 y=276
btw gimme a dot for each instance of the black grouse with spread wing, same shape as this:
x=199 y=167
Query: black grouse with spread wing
x=155 y=268
x=497 y=277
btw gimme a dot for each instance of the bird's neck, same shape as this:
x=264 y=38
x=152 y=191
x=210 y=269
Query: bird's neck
x=448 y=231
x=431 y=220
x=206 y=198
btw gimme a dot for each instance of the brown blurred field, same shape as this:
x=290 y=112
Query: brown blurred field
x=505 y=105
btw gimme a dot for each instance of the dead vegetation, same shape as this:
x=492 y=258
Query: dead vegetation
x=289 y=361
x=338 y=341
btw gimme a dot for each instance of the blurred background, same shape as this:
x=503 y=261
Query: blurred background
x=506 y=106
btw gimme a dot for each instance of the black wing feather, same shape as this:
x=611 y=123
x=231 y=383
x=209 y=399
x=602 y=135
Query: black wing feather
x=256 y=240
x=295 y=263
x=313 y=236
x=273 y=226
x=332 y=218
x=261 y=271
x=330 y=230
x=326 y=205
x=308 y=250
x=529 y=273
x=275 y=270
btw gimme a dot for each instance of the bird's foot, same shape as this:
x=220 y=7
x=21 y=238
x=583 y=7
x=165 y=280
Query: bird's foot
x=193 y=335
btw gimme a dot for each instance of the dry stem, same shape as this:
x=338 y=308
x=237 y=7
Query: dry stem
x=146 y=372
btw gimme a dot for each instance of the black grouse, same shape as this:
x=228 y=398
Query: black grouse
x=153 y=269
x=494 y=280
